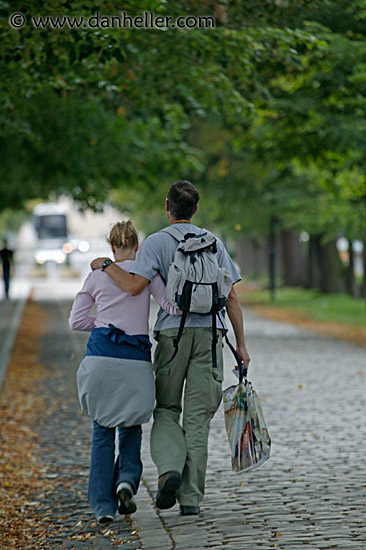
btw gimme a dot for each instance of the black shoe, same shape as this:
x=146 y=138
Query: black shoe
x=126 y=504
x=104 y=519
x=168 y=486
x=189 y=510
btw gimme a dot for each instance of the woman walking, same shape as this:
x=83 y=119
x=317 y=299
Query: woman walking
x=115 y=380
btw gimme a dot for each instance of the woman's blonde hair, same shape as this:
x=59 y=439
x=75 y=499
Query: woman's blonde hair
x=123 y=235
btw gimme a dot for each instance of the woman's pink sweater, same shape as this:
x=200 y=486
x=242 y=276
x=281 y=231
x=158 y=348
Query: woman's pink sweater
x=113 y=305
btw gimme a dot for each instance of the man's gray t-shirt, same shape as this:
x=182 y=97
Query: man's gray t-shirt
x=155 y=257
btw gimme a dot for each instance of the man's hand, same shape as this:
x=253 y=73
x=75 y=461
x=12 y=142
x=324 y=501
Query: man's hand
x=244 y=355
x=129 y=282
x=97 y=263
x=235 y=315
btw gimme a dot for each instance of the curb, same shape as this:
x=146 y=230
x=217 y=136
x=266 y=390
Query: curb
x=7 y=347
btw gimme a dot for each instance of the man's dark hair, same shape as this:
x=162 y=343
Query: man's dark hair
x=182 y=198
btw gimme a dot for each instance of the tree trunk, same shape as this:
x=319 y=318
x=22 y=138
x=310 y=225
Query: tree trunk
x=251 y=257
x=363 y=288
x=292 y=259
x=272 y=257
x=313 y=269
x=259 y=258
x=330 y=267
x=350 y=272
x=240 y=254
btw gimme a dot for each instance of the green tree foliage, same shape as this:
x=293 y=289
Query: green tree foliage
x=314 y=127
x=300 y=155
x=148 y=85
x=85 y=148
x=265 y=113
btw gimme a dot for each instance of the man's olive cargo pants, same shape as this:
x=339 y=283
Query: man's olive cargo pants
x=183 y=448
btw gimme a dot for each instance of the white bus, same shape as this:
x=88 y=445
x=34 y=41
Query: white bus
x=50 y=224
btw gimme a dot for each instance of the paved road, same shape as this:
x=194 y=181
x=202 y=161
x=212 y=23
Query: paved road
x=311 y=492
x=313 y=489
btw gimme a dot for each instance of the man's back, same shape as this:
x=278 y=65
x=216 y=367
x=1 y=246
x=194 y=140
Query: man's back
x=156 y=255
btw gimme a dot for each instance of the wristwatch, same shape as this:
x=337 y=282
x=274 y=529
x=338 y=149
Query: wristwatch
x=106 y=263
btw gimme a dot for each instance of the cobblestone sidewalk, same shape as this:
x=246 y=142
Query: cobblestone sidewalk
x=311 y=492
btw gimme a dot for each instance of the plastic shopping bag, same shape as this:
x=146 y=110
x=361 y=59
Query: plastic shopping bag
x=245 y=426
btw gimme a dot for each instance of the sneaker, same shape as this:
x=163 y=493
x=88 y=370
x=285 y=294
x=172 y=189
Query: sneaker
x=168 y=486
x=189 y=510
x=104 y=519
x=126 y=503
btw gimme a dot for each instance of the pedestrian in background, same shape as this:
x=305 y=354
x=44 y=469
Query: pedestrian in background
x=115 y=379
x=6 y=256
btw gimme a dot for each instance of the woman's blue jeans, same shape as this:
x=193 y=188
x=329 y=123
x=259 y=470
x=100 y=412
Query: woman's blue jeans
x=106 y=472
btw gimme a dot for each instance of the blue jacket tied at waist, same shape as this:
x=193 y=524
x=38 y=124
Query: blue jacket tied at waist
x=114 y=342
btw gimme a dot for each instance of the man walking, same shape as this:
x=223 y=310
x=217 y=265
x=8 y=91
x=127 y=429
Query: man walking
x=6 y=256
x=180 y=451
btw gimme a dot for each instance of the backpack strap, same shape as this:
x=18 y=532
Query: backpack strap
x=214 y=341
x=174 y=232
x=242 y=371
x=213 y=345
x=178 y=337
x=179 y=236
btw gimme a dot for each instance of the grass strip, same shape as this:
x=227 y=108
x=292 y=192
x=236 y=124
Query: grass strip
x=337 y=315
